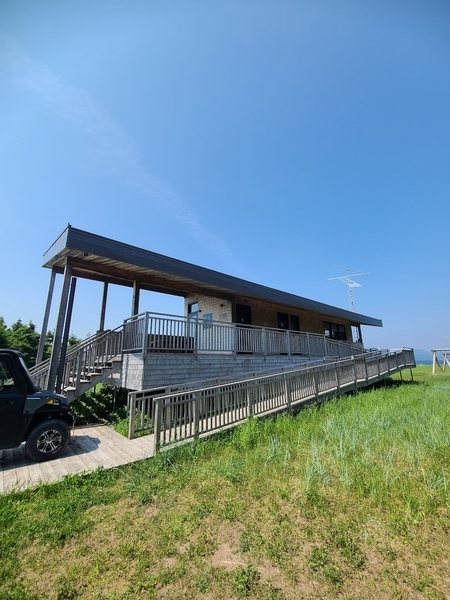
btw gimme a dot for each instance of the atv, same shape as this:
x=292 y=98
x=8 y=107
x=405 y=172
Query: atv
x=39 y=418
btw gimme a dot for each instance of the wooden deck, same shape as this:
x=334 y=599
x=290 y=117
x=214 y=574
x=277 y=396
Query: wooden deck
x=90 y=448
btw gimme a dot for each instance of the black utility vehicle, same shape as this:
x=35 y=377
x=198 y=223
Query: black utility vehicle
x=39 y=418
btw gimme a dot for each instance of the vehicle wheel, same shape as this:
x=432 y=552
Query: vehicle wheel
x=47 y=440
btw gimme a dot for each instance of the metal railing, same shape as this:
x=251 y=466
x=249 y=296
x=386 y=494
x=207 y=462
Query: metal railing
x=82 y=360
x=150 y=332
x=188 y=414
x=91 y=358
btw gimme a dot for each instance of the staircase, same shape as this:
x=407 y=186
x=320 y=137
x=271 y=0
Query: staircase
x=108 y=374
x=95 y=360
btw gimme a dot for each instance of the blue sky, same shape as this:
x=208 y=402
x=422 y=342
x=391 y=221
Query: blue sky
x=274 y=140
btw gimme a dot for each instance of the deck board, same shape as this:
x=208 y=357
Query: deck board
x=90 y=447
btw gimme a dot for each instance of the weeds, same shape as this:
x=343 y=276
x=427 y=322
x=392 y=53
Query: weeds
x=245 y=579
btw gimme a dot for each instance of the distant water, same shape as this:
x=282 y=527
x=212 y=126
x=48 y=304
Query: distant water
x=423 y=357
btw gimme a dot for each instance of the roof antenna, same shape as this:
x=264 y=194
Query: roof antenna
x=349 y=282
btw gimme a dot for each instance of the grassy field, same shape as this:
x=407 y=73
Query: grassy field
x=347 y=500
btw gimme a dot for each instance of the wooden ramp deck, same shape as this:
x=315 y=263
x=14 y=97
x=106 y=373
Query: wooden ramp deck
x=91 y=447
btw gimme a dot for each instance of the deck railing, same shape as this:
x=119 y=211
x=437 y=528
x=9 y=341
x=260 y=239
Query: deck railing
x=150 y=332
x=191 y=413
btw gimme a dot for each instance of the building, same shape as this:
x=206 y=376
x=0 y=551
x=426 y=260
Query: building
x=230 y=326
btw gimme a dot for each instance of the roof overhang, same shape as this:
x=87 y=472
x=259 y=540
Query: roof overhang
x=102 y=259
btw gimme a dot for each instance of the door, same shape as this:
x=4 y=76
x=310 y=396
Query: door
x=245 y=340
x=243 y=314
x=12 y=401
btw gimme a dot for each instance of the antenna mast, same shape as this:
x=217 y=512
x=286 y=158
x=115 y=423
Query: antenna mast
x=349 y=282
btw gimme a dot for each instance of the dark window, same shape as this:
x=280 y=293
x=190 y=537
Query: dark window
x=334 y=331
x=243 y=314
x=7 y=382
x=295 y=323
x=283 y=320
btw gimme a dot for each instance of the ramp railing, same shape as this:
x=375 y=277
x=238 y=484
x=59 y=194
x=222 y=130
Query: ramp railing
x=189 y=414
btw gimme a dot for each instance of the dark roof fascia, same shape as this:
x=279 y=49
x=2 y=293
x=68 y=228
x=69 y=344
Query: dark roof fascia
x=58 y=246
x=83 y=241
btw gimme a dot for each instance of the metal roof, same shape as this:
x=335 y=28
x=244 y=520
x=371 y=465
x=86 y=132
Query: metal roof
x=102 y=259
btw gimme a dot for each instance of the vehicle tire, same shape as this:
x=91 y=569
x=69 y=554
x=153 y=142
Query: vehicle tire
x=47 y=440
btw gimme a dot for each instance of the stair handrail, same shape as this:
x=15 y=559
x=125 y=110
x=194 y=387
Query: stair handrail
x=39 y=372
x=91 y=358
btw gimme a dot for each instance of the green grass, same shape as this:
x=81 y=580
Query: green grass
x=349 y=499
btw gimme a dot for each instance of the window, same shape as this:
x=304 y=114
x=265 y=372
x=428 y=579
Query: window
x=334 y=331
x=356 y=334
x=7 y=382
x=193 y=308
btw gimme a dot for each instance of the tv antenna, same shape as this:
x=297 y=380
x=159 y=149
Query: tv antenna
x=349 y=282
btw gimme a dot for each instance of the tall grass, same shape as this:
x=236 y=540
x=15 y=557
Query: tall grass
x=349 y=499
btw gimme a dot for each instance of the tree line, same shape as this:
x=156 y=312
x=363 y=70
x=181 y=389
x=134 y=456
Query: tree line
x=24 y=338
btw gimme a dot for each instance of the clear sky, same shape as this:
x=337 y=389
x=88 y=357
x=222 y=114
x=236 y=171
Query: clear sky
x=273 y=140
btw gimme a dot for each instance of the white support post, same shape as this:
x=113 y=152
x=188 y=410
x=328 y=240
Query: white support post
x=249 y=399
x=157 y=426
x=316 y=383
x=287 y=389
x=338 y=378
x=79 y=364
x=196 y=417
x=196 y=337
x=434 y=361
x=131 y=414
x=145 y=335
